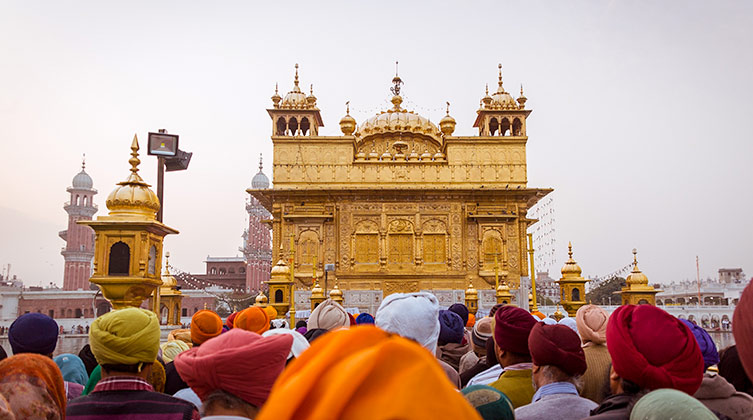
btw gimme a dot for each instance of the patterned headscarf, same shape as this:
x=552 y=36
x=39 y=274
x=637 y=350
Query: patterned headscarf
x=33 y=386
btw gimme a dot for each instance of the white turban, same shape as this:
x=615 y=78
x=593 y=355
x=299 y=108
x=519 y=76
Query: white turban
x=411 y=315
x=299 y=341
x=570 y=322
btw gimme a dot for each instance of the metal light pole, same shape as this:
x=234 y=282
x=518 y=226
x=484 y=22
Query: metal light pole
x=169 y=157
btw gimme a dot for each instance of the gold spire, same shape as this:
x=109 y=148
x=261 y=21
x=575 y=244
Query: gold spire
x=636 y=276
x=347 y=123
x=571 y=268
x=447 y=123
x=295 y=82
x=500 y=89
x=522 y=99
x=133 y=198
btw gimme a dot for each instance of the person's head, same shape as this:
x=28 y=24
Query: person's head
x=86 y=356
x=182 y=334
x=482 y=332
x=556 y=354
x=300 y=343
x=512 y=325
x=311 y=335
x=125 y=342
x=171 y=349
x=411 y=315
x=490 y=403
x=387 y=374
x=652 y=349
x=33 y=333
x=223 y=403
x=591 y=322
x=271 y=311
x=205 y=324
x=230 y=320
x=670 y=404
x=451 y=328
x=461 y=310
x=364 y=318
x=240 y=363
x=253 y=319
x=328 y=315
x=72 y=368
x=705 y=344
x=731 y=369
x=32 y=383
x=300 y=324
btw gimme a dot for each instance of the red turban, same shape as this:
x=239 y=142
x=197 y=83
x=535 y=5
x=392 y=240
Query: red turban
x=239 y=362
x=557 y=345
x=351 y=319
x=653 y=349
x=254 y=319
x=205 y=324
x=511 y=329
x=742 y=329
x=230 y=319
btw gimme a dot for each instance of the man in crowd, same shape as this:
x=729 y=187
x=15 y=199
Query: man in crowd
x=33 y=333
x=205 y=324
x=125 y=342
x=558 y=363
x=511 y=330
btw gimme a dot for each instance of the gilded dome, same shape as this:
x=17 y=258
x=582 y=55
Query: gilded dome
x=347 y=123
x=317 y=291
x=296 y=99
x=398 y=119
x=280 y=268
x=261 y=299
x=133 y=197
x=636 y=276
x=471 y=291
x=336 y=292
x=501 y=99
x=571 y=268
x=447 y=123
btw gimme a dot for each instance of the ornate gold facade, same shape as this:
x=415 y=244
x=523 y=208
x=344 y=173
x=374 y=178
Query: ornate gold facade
x=398 y=203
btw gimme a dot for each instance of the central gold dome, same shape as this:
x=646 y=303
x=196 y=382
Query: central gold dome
x=398 y=119
x=133 y=197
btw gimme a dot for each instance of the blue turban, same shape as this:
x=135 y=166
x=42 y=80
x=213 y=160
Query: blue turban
x=364 y=318
x=33 y=333
x=72 y=368
x=705 y=343
x=461 y=310
x=451 y=327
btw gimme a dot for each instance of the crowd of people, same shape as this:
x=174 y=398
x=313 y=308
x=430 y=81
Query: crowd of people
x=409 y=360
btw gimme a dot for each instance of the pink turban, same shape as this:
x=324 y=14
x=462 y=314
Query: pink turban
x=592 y=324
x=239 y=362
x=742 y=329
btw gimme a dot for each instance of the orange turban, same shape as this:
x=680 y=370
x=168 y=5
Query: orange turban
x=254 y=319
x=205 y=324
x=471 y=320
x=182 y=334
x=271 y=311
x=364 y=372
x=33 y=383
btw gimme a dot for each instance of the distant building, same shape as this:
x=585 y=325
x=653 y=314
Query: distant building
x=546 y=288
x=79 y=249
x=223 y=272
x=731 y=275
x=257 y=239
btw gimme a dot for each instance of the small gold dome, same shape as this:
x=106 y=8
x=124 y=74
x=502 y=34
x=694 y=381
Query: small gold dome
x=571 y=268
x=133 y=198
x=296 y=99
x=280 y=268
x=522 y=99
x=168 y=281
x=347 y=123
x=471 y=291
x=447 y=123
x=636 y=276
x=276 y=98
x=317 y=291
x=500 y=99
x=261 y=299
x=311 y=99
x=336 y=292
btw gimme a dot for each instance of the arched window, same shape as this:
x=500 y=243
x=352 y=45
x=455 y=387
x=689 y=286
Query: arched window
x=213 y=271
x=305 y=126
x=242 y=270
x=222 y=271
x=120 y=259
x=517 y=127
x=152 y=259
x=293 y=126
x=367 y=248
x=308 y=247
x=231 y=270
x=278 y=296
x=79 y=314
x=575 y=295
x=492 y=248
x=400 y=247
x=435 y=248
x=280 y=127
x=643 y=302
x=504 y=127
x=68 y=313
x=77 y=200
x=493 y=126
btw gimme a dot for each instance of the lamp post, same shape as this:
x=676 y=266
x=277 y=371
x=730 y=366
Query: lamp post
x=327 y=269
x=169 y=157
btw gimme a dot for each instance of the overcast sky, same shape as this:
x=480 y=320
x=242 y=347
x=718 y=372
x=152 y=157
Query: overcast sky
x=641 y=111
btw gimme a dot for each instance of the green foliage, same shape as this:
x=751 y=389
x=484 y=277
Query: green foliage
x=600 y=294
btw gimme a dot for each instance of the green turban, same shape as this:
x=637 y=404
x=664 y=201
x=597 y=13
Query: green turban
x=125 y=337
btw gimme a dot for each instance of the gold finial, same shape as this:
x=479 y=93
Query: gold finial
x=275 y=88
x=398 y=83
x=347 y=108
x=448 y=108
x=260 y=162
x=312 y=89
x=134 y=160
x=635 y=259
x=570 y=249
x=296 y=74
x=487 y=89
x=500 y=75
x=521 y=89
x=83 y=162
x=396 y=69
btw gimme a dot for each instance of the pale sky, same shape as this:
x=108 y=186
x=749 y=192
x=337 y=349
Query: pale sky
x=640 y=111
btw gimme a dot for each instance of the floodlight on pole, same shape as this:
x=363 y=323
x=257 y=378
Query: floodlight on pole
x=169 y=157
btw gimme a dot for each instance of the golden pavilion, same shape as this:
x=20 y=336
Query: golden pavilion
x=397 y=203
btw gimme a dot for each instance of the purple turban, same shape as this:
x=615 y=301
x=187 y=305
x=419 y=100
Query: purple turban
x=33 y=333
x=705 y=343
x=451 y=327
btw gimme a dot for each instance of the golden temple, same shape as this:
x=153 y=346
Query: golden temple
x=397 y=203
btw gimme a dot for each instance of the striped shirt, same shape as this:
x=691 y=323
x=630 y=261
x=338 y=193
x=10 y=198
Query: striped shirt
x=129 y=398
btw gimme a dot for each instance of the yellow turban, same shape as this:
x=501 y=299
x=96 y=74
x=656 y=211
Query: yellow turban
x=172 y=349
x=365 y=373
x=125 y=337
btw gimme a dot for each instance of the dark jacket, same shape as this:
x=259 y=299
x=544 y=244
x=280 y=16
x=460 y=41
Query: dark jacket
x=614 y=407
